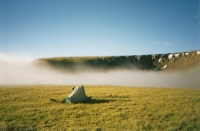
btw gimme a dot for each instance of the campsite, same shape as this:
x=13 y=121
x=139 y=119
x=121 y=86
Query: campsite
x=112 y=108
x=94 y=99
x=99 y=65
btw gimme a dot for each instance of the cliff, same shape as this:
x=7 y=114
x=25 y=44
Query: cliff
x=169 y=61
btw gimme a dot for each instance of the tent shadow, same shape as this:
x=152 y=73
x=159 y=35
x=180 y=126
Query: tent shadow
x=54 y=100
x=97 y=101
x=89 y=101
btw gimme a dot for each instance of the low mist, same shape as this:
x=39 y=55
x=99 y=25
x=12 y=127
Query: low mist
x=19 y=70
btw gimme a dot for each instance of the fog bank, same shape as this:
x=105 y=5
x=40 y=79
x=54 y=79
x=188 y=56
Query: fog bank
x=20 y=70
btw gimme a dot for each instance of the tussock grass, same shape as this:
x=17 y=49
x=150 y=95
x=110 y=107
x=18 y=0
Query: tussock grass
x=113 y=108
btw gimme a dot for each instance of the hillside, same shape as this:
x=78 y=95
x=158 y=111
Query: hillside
x=169 y=61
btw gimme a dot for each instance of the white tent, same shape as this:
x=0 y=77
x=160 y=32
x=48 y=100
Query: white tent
x=78 y=95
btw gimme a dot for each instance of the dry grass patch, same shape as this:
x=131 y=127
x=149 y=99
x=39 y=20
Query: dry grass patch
x=113 y=108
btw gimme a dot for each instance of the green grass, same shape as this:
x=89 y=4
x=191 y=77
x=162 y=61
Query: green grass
x=113 y=108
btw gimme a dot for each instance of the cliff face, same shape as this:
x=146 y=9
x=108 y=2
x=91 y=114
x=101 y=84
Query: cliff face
x=170 y=61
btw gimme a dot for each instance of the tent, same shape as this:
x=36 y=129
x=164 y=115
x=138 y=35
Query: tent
x=78 y=95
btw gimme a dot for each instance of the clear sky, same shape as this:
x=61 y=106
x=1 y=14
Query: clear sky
x=49 y=28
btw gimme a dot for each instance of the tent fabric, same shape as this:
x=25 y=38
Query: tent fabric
x=78 y=95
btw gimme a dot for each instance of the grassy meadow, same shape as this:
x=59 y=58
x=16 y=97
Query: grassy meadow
x=113 y=108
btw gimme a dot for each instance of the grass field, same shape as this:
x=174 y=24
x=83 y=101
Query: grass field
x=113 y=108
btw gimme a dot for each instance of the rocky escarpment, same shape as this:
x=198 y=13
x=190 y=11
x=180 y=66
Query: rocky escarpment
x=170 y=61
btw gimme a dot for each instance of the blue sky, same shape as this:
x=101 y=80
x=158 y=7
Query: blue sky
x=49 y=28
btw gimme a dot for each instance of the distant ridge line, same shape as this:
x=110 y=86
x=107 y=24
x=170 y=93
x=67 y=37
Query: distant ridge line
x=167 y=61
